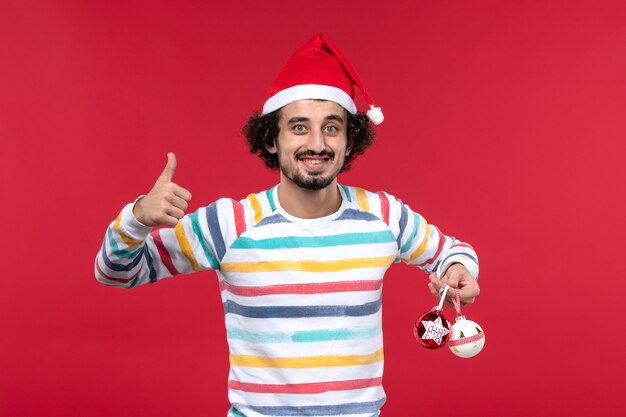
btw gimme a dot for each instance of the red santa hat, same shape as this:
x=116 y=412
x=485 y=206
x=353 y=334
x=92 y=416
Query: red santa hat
x=318 y=70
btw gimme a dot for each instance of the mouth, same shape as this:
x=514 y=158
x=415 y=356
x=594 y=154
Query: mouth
x=314 y=163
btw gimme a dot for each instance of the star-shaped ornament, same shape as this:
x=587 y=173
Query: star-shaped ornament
x=434 y=330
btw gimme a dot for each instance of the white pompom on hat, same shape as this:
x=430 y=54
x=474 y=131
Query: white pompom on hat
x=318 y=70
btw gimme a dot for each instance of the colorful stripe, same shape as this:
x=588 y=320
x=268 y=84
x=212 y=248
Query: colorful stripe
x=215 y=230
x=422 y=247
x=409 y=241
x=404 y=218
x=240 y=220
x=362 y=332
x=458 y=244
x=321 y=361
x=352 y=214
x=361 y=197
x=117 y=267
x=269 y=194
x=152 y=277
x=268 y=312
x=292 y=242
x=256 y=207
x=305 y=388
x=275 y=219
x=127 y=239
x=316 y=410
x=467 y=255
x=185 y=246
x=384 y=207
x=120 y=253
x=346 y=191
x=439 y=248
x=308 y=266
x=163 y=253
x=310 y=288
x=233 y=412
x=120 y=280
x=305 y=336
x=197 y=230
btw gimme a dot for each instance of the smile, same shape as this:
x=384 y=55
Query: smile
x=314 y=164
x=313 y=161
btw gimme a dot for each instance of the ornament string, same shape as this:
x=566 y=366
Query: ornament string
x=442 y=297
x=456 y=300
x=457 y=303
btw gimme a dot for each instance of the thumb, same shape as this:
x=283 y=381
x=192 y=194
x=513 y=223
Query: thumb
x=170 y=168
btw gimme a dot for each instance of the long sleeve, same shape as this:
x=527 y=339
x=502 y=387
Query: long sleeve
x=425 y=246
x=134 y=254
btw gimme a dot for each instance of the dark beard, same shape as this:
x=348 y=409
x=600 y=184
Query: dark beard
x=310 y=183
x=313 y=183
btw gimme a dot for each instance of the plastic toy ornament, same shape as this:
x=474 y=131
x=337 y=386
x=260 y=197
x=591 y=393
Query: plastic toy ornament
x=432 y=329
x=467 y=338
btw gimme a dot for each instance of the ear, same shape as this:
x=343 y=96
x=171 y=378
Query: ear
x=272 y=148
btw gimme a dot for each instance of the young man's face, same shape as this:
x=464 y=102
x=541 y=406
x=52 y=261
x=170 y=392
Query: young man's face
x=311 y=143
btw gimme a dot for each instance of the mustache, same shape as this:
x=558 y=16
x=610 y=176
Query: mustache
x=324 y=153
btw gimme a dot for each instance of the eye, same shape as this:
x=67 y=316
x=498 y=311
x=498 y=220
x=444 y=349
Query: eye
x=299 y=128
x=331 y=129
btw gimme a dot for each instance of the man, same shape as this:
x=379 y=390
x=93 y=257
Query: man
x=300 y=265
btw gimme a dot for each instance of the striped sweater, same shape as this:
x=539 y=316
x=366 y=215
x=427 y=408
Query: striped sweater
x=302 y=297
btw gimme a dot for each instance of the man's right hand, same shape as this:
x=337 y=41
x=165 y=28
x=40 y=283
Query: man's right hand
x=166 y=203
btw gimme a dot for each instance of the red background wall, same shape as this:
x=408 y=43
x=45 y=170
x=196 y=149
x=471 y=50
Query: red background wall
x=504 y=126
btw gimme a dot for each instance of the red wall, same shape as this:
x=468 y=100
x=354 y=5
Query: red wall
x=505 y=126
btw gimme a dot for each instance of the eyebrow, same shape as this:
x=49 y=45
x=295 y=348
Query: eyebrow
x=298 y=119
x=334 y=117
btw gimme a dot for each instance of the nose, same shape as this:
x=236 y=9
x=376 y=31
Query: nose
x=317 y=142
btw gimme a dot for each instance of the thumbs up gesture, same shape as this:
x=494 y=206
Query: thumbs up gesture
x=166 y=203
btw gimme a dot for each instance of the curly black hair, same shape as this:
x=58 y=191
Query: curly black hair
x=261 y=131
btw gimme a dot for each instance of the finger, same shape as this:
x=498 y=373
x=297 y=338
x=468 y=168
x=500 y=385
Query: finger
x=435 y=283
x=453 y=281
x=436 y=286
x=182 y=193
x=178 y=202
x=469 y=294
x=437 y=294
x=170 y=168
x=175 y=212
x=434 y=291
x=452 y=276
x=169 y=221
x=468 y=290
x=434 y=278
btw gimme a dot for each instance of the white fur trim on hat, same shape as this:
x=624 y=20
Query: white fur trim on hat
x=375 y=114
x=309 y=91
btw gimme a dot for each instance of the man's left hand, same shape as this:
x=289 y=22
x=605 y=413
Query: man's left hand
x=459 y=279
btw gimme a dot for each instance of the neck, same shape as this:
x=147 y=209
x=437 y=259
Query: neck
x=308 y=204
